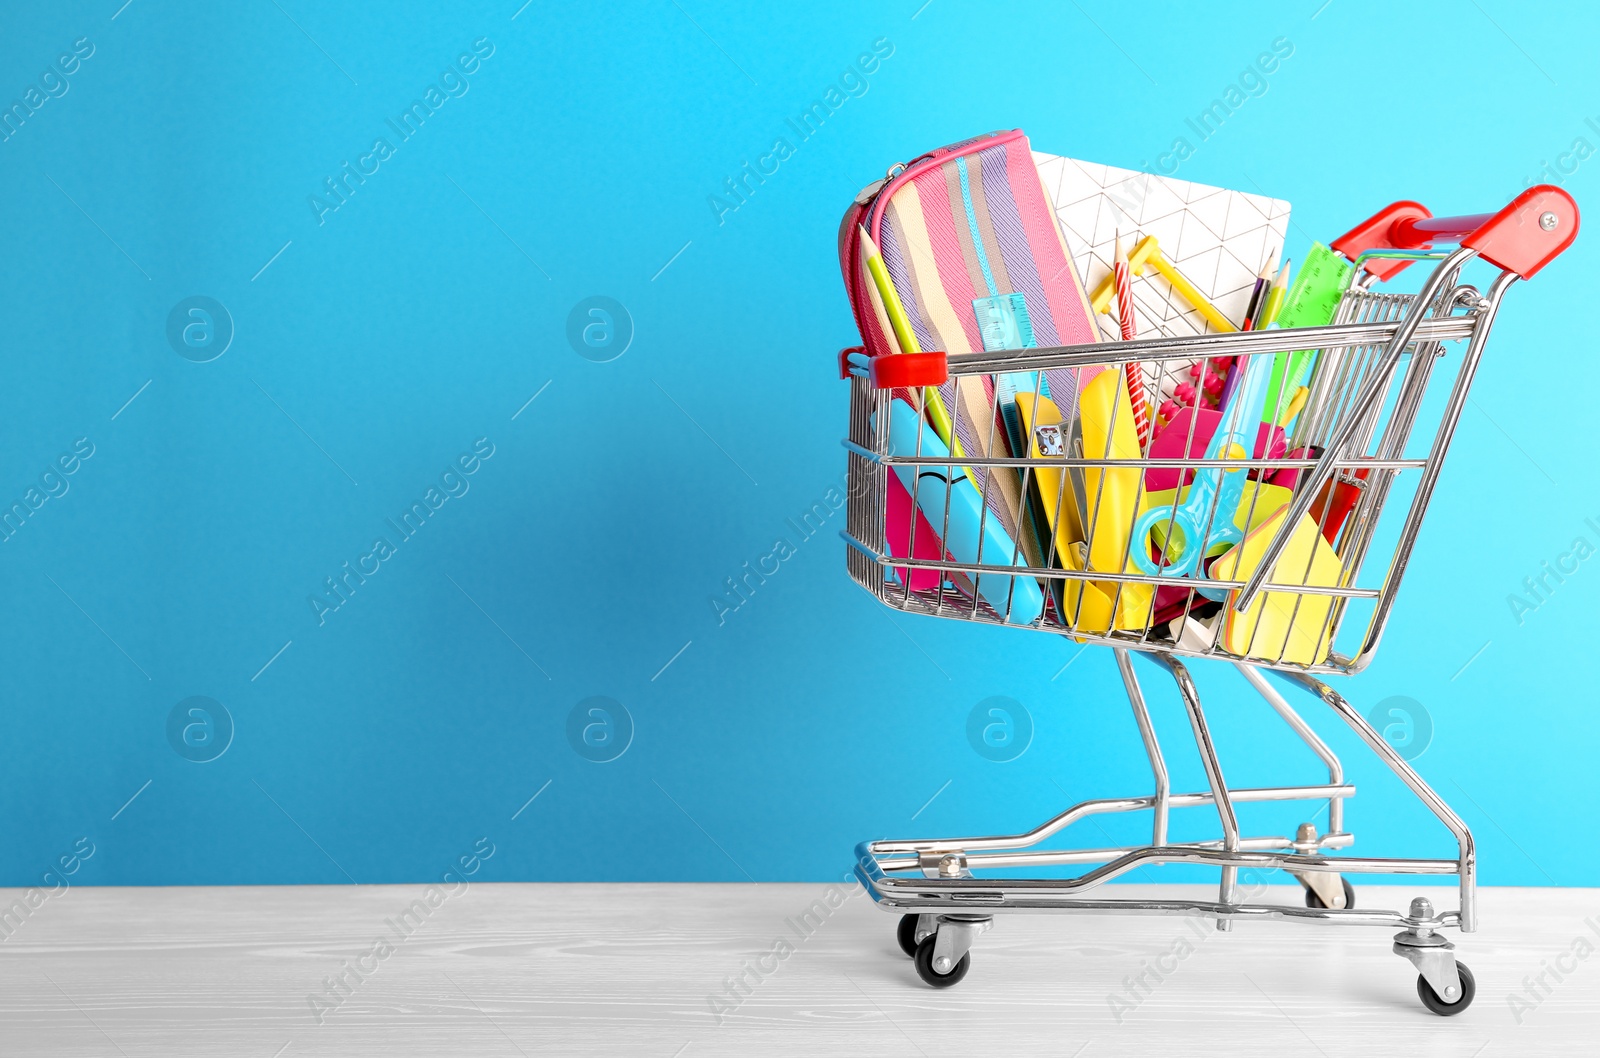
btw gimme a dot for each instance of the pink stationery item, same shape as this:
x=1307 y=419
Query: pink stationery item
x=1172 y=441
x=1123 y=282
x=972 y=249
x=897 y=533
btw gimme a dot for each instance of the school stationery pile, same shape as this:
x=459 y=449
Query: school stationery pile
x=964 y=251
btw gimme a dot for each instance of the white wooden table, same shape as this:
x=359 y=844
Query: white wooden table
x=502 y=969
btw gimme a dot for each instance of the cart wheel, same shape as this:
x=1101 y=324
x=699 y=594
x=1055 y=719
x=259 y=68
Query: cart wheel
x=924 y=963
x=1430 y=998
x=906 y=934
x=1313 y=900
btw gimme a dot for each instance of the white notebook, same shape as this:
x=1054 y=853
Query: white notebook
x=1219 y=239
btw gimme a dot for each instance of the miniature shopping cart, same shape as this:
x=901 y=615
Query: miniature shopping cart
x=1365 y=432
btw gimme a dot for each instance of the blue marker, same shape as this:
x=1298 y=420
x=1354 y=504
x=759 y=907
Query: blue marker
x=971 y=532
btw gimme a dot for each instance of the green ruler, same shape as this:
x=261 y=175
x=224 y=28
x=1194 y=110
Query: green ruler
x=1312 y=301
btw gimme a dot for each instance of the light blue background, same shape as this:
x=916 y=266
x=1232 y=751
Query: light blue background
x=379 y=746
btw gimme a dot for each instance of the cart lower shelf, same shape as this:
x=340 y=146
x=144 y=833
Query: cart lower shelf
x=946 y=906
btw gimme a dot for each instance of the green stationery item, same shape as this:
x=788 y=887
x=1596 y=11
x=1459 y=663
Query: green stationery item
x=1312 y=302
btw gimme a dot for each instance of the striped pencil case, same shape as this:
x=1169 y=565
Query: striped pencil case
x=970 y=241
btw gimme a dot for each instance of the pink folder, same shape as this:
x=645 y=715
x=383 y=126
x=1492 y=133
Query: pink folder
x=897 y=530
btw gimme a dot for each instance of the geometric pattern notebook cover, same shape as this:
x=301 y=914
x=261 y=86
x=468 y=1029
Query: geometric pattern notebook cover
x=1219 y=239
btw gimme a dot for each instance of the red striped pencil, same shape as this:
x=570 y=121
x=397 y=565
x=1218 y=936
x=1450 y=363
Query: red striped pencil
x=1122 y=280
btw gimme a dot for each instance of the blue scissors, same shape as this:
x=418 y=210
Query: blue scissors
x=1213 y=498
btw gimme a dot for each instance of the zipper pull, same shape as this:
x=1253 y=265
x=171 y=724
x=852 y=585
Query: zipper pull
x=868 y=193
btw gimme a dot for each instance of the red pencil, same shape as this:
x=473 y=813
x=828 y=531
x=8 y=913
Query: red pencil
x=1121 y=279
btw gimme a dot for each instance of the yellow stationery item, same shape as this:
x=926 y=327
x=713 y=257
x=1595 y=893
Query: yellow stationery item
x=1106 y=416
x=1082 y=604
x=1100 y=300
x=1057 y=491
x=875 y=298
x=892 y=318
x=1257 y=503
x=1103 y=512
x=891 y=300
x=1148 y=252
x=1190 y=293
x=1281 y=624
x=1296 y=402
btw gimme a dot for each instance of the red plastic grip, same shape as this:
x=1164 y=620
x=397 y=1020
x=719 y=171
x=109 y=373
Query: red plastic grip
x=844 y=359
x=899 y=370
x=909 y=370
x=1375 y=233
x=1530 y=232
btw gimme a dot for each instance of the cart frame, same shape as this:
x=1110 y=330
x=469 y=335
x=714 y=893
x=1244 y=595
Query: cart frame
x=1383 y=349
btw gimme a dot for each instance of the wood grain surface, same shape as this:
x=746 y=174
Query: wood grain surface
x=535 y=969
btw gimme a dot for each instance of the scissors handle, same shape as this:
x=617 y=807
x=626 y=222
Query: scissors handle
x=1215 y=494
x=1213 y=497
x=1184 y=522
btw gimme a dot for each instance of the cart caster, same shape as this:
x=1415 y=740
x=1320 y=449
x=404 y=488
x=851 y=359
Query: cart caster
x=1430 y=998
x=943 y=955
x=1313 y=900
x=924 y=960
x=1444 y=985
x=911 y=931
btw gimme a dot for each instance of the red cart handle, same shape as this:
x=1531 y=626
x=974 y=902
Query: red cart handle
x=897 y=370
x=1526 y=235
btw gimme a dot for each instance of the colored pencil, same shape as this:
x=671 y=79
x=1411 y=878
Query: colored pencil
x=1258 y=296
x=1123 y=280
x=900 y=323
x=1252 y=321
x=1275 y=296
x=891 y=300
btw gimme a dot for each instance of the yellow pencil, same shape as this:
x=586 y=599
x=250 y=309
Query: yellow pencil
x=900 y=323
x=1275 y=296
x=891 y=300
